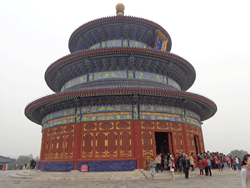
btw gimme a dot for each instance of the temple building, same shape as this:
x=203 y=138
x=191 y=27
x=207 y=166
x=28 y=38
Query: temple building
x=4 y=162
x=120 y=98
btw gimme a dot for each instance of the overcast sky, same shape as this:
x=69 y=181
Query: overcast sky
x=214 y=36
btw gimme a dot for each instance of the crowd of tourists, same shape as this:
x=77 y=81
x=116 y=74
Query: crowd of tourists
x=26 y=166
x=182 y=163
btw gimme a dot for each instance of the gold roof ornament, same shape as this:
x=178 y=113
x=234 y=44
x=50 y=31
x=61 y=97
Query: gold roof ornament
x=120 y=9
x=164 y=40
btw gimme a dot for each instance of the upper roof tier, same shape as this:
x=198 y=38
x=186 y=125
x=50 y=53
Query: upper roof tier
x=119 y=27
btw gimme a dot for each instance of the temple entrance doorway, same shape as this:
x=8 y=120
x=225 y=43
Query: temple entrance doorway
x=162 y=144
x=196 y=140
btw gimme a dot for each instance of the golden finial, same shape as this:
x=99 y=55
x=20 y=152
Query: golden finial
x=120 y=9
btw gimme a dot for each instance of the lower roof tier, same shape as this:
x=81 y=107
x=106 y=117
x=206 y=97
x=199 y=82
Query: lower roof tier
x=120 y=59
x=202 y=106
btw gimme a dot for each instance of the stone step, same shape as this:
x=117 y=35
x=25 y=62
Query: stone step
x=20 y=177
x=167 y=174
x=92 y=174
x=79 y=175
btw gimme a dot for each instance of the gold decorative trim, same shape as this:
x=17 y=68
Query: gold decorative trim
x=126 y=153
x=83 y=140
x=84 y=125
x=128 y=122
x=142 y=126
x=116 y=123
x=106 y=153
x=87 y=154
x=147 y=152
x=68 y=155
x=167 y=124
x=100 y=126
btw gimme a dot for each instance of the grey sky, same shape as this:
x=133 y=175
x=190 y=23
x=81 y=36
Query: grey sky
x=214 y=36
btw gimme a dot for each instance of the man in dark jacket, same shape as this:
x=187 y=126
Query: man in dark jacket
x=186 y=166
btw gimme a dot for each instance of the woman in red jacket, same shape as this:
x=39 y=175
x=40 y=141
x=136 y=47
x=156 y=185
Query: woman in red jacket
x=207 y=163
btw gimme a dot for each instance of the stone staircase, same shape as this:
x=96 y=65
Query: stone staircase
x=138 y=174
x=167 y=174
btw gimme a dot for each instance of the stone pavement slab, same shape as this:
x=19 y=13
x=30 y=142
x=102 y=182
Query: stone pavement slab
x=230 y=179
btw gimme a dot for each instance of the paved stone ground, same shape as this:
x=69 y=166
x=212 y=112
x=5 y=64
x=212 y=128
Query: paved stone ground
x=222 y=180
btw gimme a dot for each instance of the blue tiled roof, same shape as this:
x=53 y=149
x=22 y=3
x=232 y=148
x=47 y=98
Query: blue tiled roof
x=4 y=160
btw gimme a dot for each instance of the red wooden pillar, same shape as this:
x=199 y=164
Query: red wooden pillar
x=185 y=139
x=202 y=142
x=77 y=143
x=170 y=143
x=173 y=142
x=43 y=144
x=138 y=143
x=197 y=138
x=153 y=142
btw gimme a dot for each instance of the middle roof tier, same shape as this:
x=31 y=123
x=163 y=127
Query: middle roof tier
x=120 y=59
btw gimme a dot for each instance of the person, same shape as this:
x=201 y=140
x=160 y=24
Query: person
x=213 y=160
x=219 y=164
x=231 y=158
x=209 y=155
x=162 y=161
x=191 y=159
x=207 y=164
x=32 y=164
x=224 y=161
x=176 y=162
x=237 y=162
x=239 y=167
x=228 y=161
x=198 y=157
x=201 y=166
x=180 y=162
x=158 y=163
x=172 y=167
x=234 y=163
x=165 y=160
x=21 y=167
x=245 y=171
x=152 y=166
x=186 y=166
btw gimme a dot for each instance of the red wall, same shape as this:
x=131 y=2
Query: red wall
x=115 y=140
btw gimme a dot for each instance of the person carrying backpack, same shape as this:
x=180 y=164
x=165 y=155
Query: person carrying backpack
x=207 y=163
x=158 y=163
